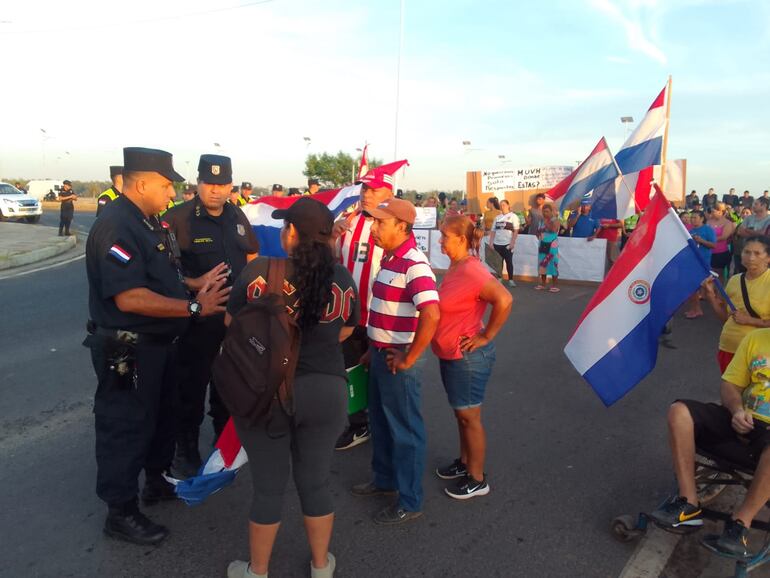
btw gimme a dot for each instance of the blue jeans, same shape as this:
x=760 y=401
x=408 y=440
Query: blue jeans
x=398 y=431
x=465 y=379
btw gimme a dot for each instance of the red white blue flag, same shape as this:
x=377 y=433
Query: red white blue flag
x=268 y=230
x=615 y=344
x=598 y=168
x=644 y=147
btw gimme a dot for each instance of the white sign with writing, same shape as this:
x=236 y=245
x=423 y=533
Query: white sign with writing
x=579 y=259
x=426 y=218
x=521 y=179
x=422 y=238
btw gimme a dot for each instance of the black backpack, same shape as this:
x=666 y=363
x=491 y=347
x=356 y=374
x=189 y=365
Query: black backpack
x=258 y=356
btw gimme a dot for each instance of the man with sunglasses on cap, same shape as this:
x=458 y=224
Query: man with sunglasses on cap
x=359 y=254
x=111 y=194
x=213 y=236
x=139 y=305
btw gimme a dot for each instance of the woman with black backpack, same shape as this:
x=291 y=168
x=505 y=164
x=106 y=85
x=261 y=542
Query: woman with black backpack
x=321 y=297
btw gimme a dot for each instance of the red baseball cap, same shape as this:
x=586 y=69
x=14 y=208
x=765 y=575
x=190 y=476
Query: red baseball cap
x=382 y=176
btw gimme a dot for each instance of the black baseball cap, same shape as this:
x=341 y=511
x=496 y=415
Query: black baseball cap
x=215 y=169
x=310 y=217
x=115 y=170
x=144 y=160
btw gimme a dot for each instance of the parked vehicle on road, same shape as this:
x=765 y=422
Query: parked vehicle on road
x=16 y=204
x=47 y=189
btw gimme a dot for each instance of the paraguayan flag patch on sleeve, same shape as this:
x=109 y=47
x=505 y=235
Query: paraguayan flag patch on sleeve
x=120 y=253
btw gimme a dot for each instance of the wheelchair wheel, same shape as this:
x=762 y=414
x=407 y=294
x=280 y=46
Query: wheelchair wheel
x=625 y=529
x=707 y=480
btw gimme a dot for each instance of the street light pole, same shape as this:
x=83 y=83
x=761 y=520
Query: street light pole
x=398 y=77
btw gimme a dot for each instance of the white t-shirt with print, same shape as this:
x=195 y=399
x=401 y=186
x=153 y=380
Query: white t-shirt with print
x=504 y=226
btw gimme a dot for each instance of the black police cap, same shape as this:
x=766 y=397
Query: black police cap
x=115 y=170
x=246 y=185
x=215 y=169
x=144 y=160
x=312 y=182
x=277 y=188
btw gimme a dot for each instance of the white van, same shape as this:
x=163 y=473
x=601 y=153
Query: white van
x=39 y=189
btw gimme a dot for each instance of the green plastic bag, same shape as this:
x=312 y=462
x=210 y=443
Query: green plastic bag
x=358 y=388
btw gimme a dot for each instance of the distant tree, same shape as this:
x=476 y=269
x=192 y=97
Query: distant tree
x=334 y=170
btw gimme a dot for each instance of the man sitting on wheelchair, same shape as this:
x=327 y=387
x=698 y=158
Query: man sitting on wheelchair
x=743 y=417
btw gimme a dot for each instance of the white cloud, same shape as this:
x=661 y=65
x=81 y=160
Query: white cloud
x=638 y=40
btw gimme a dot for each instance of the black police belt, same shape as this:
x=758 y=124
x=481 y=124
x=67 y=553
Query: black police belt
x=132 y=338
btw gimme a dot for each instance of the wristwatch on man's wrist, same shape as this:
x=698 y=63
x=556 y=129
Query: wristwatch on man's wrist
x=194 y=308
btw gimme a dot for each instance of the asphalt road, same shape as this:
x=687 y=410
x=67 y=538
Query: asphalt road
x=560 y=464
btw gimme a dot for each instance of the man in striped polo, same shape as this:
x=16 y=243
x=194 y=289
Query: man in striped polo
x=362 y=258
x=403 y=317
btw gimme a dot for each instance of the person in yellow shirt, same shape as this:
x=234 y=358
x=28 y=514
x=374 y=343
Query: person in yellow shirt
x=753 y=309
x=738 y=430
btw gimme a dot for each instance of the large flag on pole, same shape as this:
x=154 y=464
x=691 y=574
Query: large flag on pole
x=644 y=146
x=598 y=168
x=615 y=199
x=268 y=230
x=615 y=344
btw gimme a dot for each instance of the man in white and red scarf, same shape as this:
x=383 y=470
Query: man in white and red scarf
x=362 y=258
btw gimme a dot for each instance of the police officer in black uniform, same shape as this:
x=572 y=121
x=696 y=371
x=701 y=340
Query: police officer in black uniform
x=67 y=198
x=111 y=194
x=139 y=305
x=212 y=234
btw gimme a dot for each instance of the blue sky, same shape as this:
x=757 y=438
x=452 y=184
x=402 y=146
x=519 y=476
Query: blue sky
x=537 y=82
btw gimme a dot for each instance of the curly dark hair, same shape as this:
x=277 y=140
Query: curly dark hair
x=313 y=274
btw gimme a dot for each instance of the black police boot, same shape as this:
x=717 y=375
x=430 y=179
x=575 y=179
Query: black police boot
x=187 y=459
x=126 y=522
x=156 y=489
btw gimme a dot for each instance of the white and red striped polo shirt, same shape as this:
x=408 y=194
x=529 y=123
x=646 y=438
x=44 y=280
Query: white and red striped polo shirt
x=404 y=285
x=362 y=258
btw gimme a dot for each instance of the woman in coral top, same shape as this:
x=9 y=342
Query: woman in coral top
x=465 y=349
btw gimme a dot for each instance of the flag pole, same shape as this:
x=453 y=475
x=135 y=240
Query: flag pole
x=665 y=134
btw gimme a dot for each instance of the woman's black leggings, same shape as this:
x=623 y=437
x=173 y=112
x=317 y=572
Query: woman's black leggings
x=305 y=442
x=507 y=256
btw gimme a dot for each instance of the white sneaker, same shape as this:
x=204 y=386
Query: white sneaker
x=511 y=283
x=327 y=572
x=241 y=569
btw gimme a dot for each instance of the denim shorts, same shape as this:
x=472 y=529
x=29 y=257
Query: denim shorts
x=465 y=380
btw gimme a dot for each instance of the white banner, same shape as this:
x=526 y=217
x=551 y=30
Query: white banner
x=426 y=218
x=579 y=260
x=422 y=238
x=520 y=179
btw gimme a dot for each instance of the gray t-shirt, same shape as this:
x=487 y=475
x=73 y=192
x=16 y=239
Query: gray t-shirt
x=755 y=225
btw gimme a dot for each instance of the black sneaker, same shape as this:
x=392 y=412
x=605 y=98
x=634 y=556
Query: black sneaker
x=733 y=542
x=393 y=515
x=678 y=513
x=468 y=488
x=453 y=471
x=129 y=524
x=352 y=438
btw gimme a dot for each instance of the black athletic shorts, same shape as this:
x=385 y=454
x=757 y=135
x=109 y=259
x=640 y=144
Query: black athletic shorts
x=714 y=433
